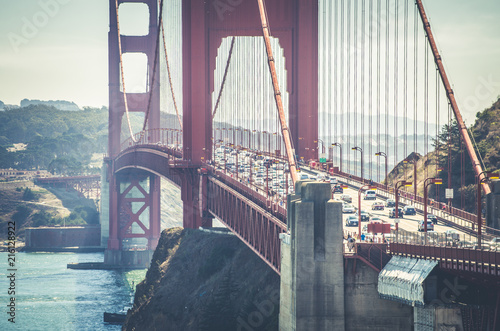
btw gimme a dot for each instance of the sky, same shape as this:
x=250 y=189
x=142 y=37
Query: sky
x=57 y=50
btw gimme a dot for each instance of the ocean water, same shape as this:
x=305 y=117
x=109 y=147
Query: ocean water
x=49 y=296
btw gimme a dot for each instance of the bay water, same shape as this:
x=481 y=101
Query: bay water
x=48 y=296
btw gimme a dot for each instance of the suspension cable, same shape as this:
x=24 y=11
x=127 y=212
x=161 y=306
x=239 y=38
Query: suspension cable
x=277 y=94
x=123 y=77
x=224 y=77
x=168 y=70
x=451 y=98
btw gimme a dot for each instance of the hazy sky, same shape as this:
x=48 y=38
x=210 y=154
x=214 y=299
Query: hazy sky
x=57 y=49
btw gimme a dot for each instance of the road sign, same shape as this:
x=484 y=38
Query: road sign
x=448 y=193
x=322 y=158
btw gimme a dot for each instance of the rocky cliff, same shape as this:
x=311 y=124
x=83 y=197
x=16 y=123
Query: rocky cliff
x=205 y=281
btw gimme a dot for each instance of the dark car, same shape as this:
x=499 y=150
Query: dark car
x=365 y=217
x=409 y=210
x=390 y=203
x=392 y=212
x=337 y=189
x=351 y=221
x=432 y=218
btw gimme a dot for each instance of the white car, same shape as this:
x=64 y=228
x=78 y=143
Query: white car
x=348 y=208
x=370 y=195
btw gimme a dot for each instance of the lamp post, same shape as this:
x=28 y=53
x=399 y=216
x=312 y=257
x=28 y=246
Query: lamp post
x=356 y=148
x=361 y=189
x=427 y=182
x=398 y=185
x=339 y=146
x=385 y=157
x=488 y=175
x=414 y=162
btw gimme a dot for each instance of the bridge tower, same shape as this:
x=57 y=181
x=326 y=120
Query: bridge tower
x=134 y=196
x=204 y=25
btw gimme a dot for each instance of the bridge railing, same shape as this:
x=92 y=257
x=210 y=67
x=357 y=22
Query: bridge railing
x=171 y=138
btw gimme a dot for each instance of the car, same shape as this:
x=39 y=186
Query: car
x=348 y=208
x=377 y=205
x=370 y=195
x=392 y=213
x=432 y=218
x=337 y=189
x=351 y=221
x=421 y=226
x=409 y=210
x=346 y=198
x=365 y=217
x=390 y=203
x=376 y=219
x=334 y=181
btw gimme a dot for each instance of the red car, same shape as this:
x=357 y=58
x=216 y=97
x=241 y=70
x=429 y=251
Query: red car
x=377 y=206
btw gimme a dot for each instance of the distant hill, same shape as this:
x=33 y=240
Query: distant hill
x=59 y=104
x=2 y=105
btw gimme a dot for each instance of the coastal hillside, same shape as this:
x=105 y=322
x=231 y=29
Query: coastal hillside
x=205 y=281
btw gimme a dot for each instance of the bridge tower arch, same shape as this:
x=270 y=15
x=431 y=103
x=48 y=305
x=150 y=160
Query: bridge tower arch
x=204 y=25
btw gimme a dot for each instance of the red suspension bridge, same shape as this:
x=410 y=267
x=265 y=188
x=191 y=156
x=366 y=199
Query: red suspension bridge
x=325 y=86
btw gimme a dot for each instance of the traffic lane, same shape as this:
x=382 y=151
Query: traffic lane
x=406 y=222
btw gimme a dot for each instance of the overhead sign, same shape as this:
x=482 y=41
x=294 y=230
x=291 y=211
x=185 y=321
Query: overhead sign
x=448 y=193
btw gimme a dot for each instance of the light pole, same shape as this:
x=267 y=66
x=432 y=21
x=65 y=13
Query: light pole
x=488 y=175
x=339 y=146
x=361 y=151
x=398 y=185
x=427 y=182
x=361 y=189
x=385 y=157
x=414 y=175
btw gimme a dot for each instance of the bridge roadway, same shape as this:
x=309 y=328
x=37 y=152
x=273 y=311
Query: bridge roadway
x=258 y=219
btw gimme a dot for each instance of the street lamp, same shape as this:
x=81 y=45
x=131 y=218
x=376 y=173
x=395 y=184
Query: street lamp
x=427 y=182
x=361 y=189
x=361 y=151
x=340 y=146
x=385 y=156
x=414 y=161
x=399 y=184
x=488 y=175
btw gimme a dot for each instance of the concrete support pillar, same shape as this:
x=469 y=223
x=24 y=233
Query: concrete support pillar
x=312 y=273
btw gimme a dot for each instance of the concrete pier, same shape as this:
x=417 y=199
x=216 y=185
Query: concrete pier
x=312 y=273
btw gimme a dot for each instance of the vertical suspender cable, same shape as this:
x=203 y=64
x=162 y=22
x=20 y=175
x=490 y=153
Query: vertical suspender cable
x=396 y=59
x=405 y=93
x=387 y=81
x=277 y=94
x=370 y=84
x=342 y=73
x=379 y=81
x=356 y=72
x=415 y=84
x=349 y=129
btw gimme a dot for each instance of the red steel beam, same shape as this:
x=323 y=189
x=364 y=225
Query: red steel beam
x=254 y=225
x=451 y=97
